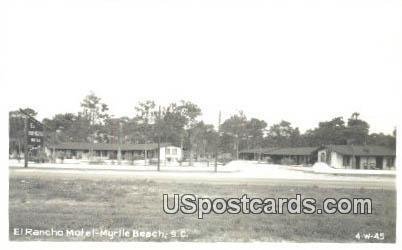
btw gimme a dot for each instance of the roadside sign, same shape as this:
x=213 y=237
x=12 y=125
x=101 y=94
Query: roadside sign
x=33 y=130
x=35 y=133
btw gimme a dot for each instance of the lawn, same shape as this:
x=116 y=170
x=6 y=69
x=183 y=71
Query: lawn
x=65 y=202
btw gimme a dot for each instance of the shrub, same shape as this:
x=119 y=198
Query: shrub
x=154 y=161
x=267 y=159
x=129 y=157
x=61 y=155
x=96 y=162
x=138 y=157
x=40 y=157
x=288 y=161
x=225 y=158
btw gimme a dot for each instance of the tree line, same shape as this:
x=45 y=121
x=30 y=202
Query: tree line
x=180 y=124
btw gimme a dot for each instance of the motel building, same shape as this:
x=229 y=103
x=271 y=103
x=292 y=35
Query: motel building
x=76 y=152
x=298 y=155
x=336 y=156
x=357 y=157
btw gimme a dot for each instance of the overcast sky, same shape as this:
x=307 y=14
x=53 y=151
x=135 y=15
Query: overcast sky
x=302 y=61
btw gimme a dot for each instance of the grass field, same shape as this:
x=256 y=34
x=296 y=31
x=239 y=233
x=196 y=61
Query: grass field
x=65 y=202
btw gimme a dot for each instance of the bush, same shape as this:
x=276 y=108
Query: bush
x=267 y=159
x=61 y=155
x=41 y=157
x=96 y=162
x=225 y=158
x=154 y=161
x=129 y=157
x=138 y=157
x=288 y=161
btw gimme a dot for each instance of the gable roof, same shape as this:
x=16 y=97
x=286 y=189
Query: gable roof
x=106 y=146
x=294 y=151
x=283 y=151
x=362 y=150
x=258 y=150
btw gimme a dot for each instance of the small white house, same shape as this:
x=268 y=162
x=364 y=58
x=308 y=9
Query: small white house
x=171 y=154
x=357 y=156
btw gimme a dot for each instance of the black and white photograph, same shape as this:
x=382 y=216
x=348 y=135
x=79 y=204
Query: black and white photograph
x=213 y=122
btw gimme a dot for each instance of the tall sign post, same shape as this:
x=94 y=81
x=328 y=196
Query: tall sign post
x=26 y=149
x=33 y=135
x=119 y=156
x=217 y=145
x=159 y=139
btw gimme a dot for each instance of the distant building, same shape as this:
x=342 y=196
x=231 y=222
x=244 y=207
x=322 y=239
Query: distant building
x=337 y=156
x=357 y=157
x=297 y=155
x=255 y=153
x=104 y=151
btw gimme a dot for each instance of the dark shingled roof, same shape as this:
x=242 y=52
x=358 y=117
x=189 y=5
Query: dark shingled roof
x=283 y=151
x=294 y=151
x=362 y=150
x=106 y=146
x=257 y=150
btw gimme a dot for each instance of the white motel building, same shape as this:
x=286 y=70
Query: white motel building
x=126 y=152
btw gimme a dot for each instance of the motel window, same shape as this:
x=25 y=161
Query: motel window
x=346 y=160
x=168 y=151
x=322 y=157
x=390 y=162
x=174 y=151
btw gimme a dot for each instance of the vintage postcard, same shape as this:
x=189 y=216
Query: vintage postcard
x=202 y=121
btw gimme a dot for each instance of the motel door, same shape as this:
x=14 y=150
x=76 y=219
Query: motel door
x=378 y=162
x=357 y=162
x=323 y=157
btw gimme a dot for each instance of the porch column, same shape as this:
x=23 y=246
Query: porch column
x=119 y=155
x=353 y=163
x=145 y=157
x=54 y=155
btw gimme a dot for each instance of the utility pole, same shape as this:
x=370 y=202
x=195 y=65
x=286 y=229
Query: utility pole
x=190 y=163
x=159 y=139
x=54 y=135
x=119 y=139
x=26 y=150
x=217 y=144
